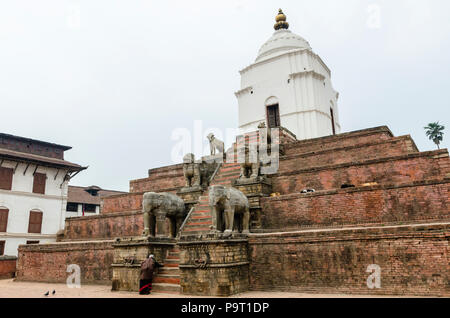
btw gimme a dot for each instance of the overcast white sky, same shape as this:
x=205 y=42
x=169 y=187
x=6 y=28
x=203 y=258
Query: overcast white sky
x=114 y=78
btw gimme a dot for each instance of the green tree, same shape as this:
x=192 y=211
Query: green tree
x=435 y=132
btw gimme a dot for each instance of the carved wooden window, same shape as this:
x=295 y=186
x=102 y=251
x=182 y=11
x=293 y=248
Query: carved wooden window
x=35 y=222
x=2 y=247
x=6 y=176
x=273 y=116
x=39 y=183
x=3 y=219
x=332 y=121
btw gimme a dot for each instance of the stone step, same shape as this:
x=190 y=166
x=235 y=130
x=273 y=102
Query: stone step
x=171 y=264
x=220 y=178
x=204 y=225
x=166 y=288
x=221 y=183
x=166 y=279
x=199 y=212
x=200 y=218
x=230 y=174
x=230 y=165
x=174 y=271
x=171 y=261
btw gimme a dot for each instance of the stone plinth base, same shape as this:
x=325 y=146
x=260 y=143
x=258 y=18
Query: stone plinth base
x=129 y=253
x=190 y=195
x=254 y=189
x=214 y=266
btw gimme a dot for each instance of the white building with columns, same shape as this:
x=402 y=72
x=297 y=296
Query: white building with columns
x=34 y=181
x=288 y=85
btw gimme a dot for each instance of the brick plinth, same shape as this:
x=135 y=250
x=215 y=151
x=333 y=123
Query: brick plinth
x=7 y=266
x=211 y=265
x=413 y=260
x=49 y=262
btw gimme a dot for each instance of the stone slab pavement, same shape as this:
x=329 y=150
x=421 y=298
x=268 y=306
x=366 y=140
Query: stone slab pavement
x=12 y=289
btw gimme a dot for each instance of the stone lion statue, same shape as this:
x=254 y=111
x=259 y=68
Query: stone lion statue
x=191 y=171
x=250 y=166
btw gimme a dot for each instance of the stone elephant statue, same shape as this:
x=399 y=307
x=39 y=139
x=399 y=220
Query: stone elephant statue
x=226 y=203
x=159 y=206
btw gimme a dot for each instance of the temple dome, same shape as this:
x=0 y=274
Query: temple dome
x=282 y=40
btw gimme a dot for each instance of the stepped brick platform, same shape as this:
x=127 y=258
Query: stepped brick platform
x=418 y=201
x=353 y=138
x=394 y=212
x=165 y=179
x=413 y=260
x=389 y=170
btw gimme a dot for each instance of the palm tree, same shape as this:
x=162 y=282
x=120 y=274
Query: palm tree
x=434 y=131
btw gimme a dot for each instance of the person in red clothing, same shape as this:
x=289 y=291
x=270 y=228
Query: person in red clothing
x=147 y=268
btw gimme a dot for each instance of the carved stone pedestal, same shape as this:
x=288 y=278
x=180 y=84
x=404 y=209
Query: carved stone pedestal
x=254 y=189
x=212 y=265
x=129 y=253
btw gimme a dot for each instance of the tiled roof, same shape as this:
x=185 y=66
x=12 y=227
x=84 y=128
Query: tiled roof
x=80 y=195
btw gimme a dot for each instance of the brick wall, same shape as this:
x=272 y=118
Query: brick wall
x=341 y=140
x=7 y=266
x=164 y=179
x=122 y=203
x=424 y=200
x=393 y=147
x=400 y=169
x=104 y=226
x=48 y=262
x=413 y=260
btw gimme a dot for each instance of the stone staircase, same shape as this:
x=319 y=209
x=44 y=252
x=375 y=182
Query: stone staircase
x=200 y=220
x=167 y=279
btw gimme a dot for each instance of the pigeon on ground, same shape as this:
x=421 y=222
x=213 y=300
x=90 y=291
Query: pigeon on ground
x=47 y=293
x=54 y=292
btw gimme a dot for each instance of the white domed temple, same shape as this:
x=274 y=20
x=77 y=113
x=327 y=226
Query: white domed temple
x=288 y=85
x=362 y=212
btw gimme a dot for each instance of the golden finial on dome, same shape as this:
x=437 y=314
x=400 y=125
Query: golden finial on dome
x=281 y=21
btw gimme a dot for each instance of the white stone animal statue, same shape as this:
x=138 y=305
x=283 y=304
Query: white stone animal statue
x=215 y=144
